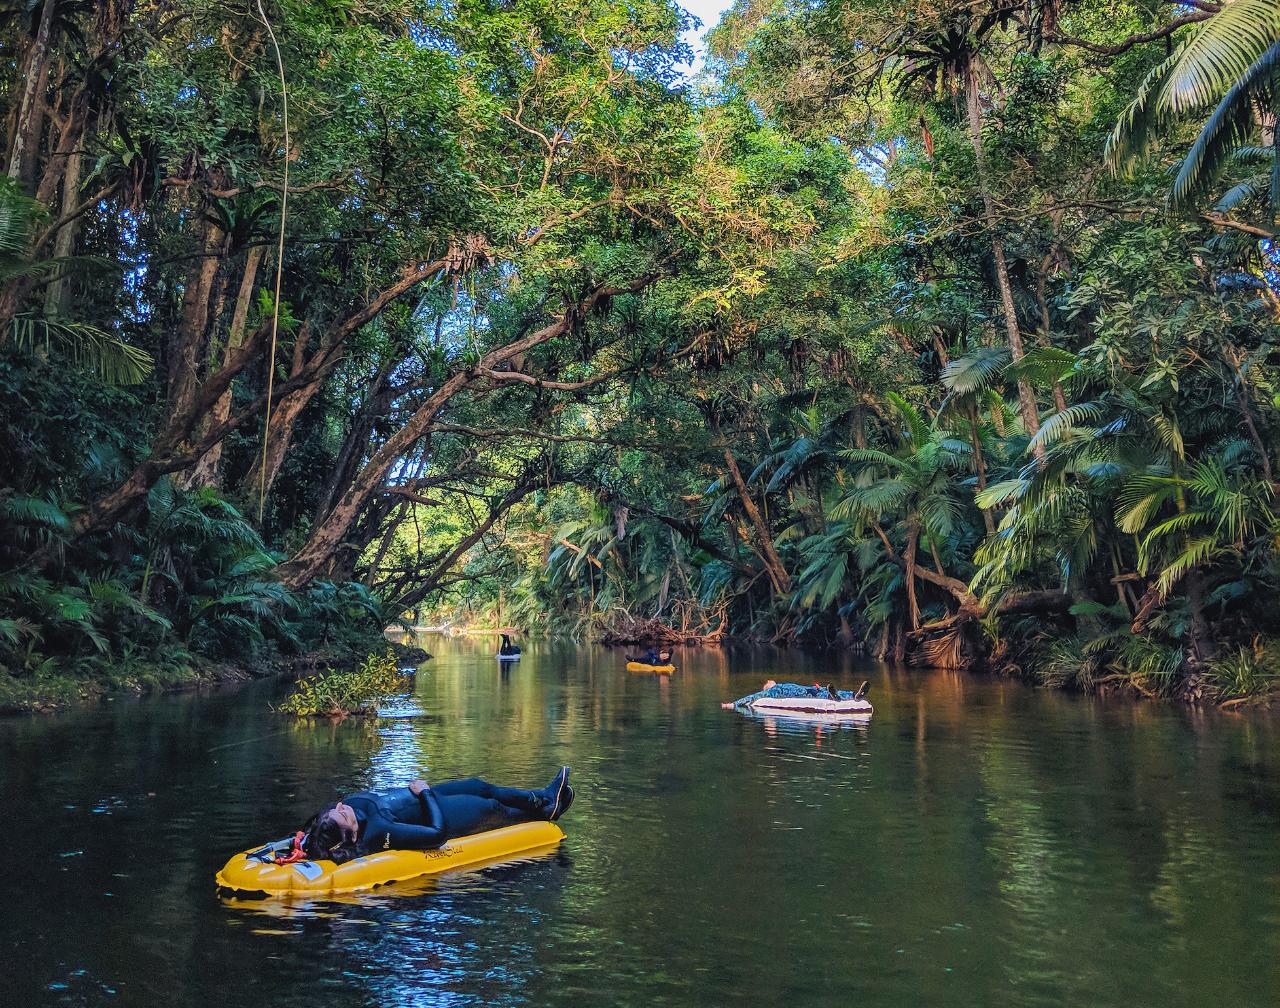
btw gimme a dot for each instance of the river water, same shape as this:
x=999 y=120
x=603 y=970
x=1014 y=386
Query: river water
x=977 y=843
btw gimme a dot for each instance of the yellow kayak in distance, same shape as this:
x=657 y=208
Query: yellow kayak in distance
x=255 y=872
x=635 y=666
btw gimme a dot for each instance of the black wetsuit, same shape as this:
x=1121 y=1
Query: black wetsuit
x=399 y=820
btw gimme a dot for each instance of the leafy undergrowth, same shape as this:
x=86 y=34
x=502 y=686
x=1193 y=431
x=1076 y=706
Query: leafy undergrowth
x=343 y=692
x=1247 y=675
x=55 y=685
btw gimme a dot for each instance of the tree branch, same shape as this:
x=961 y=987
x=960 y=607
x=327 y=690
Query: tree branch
x=1204 y=12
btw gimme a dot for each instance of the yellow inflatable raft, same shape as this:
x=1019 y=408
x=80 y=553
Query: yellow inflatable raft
x=635 y=666
x=255 y=871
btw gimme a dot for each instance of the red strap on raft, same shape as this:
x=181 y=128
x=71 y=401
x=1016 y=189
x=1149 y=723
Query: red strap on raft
x=297 y=854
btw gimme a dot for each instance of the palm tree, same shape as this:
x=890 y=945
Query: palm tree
x=1230 y=63
x=84 y=346
x=1217 y=509
x=948 y=51
x=914 y=488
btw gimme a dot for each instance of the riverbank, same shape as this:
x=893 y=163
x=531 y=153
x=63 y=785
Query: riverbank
x=48 y=691
x=51 y=690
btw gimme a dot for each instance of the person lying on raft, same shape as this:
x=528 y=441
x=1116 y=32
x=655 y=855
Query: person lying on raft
x=652 y=657
x=778 y=690
x=423 y=817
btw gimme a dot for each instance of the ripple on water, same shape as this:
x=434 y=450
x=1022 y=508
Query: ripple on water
x=974 y=843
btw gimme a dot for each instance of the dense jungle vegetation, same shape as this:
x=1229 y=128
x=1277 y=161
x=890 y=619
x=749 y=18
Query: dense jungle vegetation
x=939 y=329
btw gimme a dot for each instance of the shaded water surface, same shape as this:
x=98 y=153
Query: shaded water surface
x=977 y=843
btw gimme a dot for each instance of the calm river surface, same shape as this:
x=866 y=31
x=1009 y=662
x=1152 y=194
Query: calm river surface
x=977 y=843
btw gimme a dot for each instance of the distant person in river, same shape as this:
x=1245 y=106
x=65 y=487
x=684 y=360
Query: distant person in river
x=508 y=650
x=778 y=690
x=652 y=657
x=423 y=817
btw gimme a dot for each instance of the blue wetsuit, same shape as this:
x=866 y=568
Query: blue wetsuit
x=400 y=820
x=791 y=690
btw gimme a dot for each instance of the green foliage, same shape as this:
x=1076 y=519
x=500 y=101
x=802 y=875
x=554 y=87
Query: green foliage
x=1229 y=63
x=80 y=344
x=890 y=358
x=337 y=693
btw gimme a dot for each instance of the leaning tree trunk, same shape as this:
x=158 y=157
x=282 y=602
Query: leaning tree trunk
x=778 y=575
x=327 y=537
x=1026 y=399
x=262 y=474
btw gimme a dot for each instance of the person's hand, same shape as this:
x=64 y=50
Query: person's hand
x=727 y=706
x=417 y=787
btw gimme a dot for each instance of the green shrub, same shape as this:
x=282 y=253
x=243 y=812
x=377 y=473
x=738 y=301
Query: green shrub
x=1248 y=673
x=339 y=693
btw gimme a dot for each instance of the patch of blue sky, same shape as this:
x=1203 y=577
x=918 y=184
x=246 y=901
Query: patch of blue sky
x=707 y=14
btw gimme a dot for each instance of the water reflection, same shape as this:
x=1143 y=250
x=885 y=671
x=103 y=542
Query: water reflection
x=974 y=843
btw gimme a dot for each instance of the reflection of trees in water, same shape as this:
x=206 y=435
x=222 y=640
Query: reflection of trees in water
x=1036 y=843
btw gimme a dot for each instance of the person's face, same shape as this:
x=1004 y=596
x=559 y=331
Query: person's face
x=346 y=817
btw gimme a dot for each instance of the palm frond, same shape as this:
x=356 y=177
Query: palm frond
x=1043 y=366
x=1140 y=499
x=1228 y=127
x=85 y=346
x=1060 y=425
x=879 y=498
x=918 y=429
x=1221 y=51
x=873 y=456
x=998 y=493
x=1243 y=193
x=1193 y=554
x=976 y=371
x=23 y=510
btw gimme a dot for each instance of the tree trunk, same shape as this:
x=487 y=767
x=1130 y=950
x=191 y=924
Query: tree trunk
x=909 y=555
x=170 y=450
x=285 y=417
x=1046 y=338
x=208 y=471
x=57 y=298
x=980 y=466
x=1026 y=399
x=778 y=575
x=846 y=631
x=327 y=536
x=1202 y=646
x=188 y=352
x=30 y=118
x=1233 y=358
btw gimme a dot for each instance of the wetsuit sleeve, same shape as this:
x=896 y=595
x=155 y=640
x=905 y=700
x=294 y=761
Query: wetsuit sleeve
x=431 y=832
x=387 y=830
x=410 y=836
x=431 y=814
x=744 y=701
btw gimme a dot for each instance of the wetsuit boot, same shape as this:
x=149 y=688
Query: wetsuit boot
x=558 y=795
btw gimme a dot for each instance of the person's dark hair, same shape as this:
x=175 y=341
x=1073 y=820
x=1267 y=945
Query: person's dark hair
x=325 y=838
